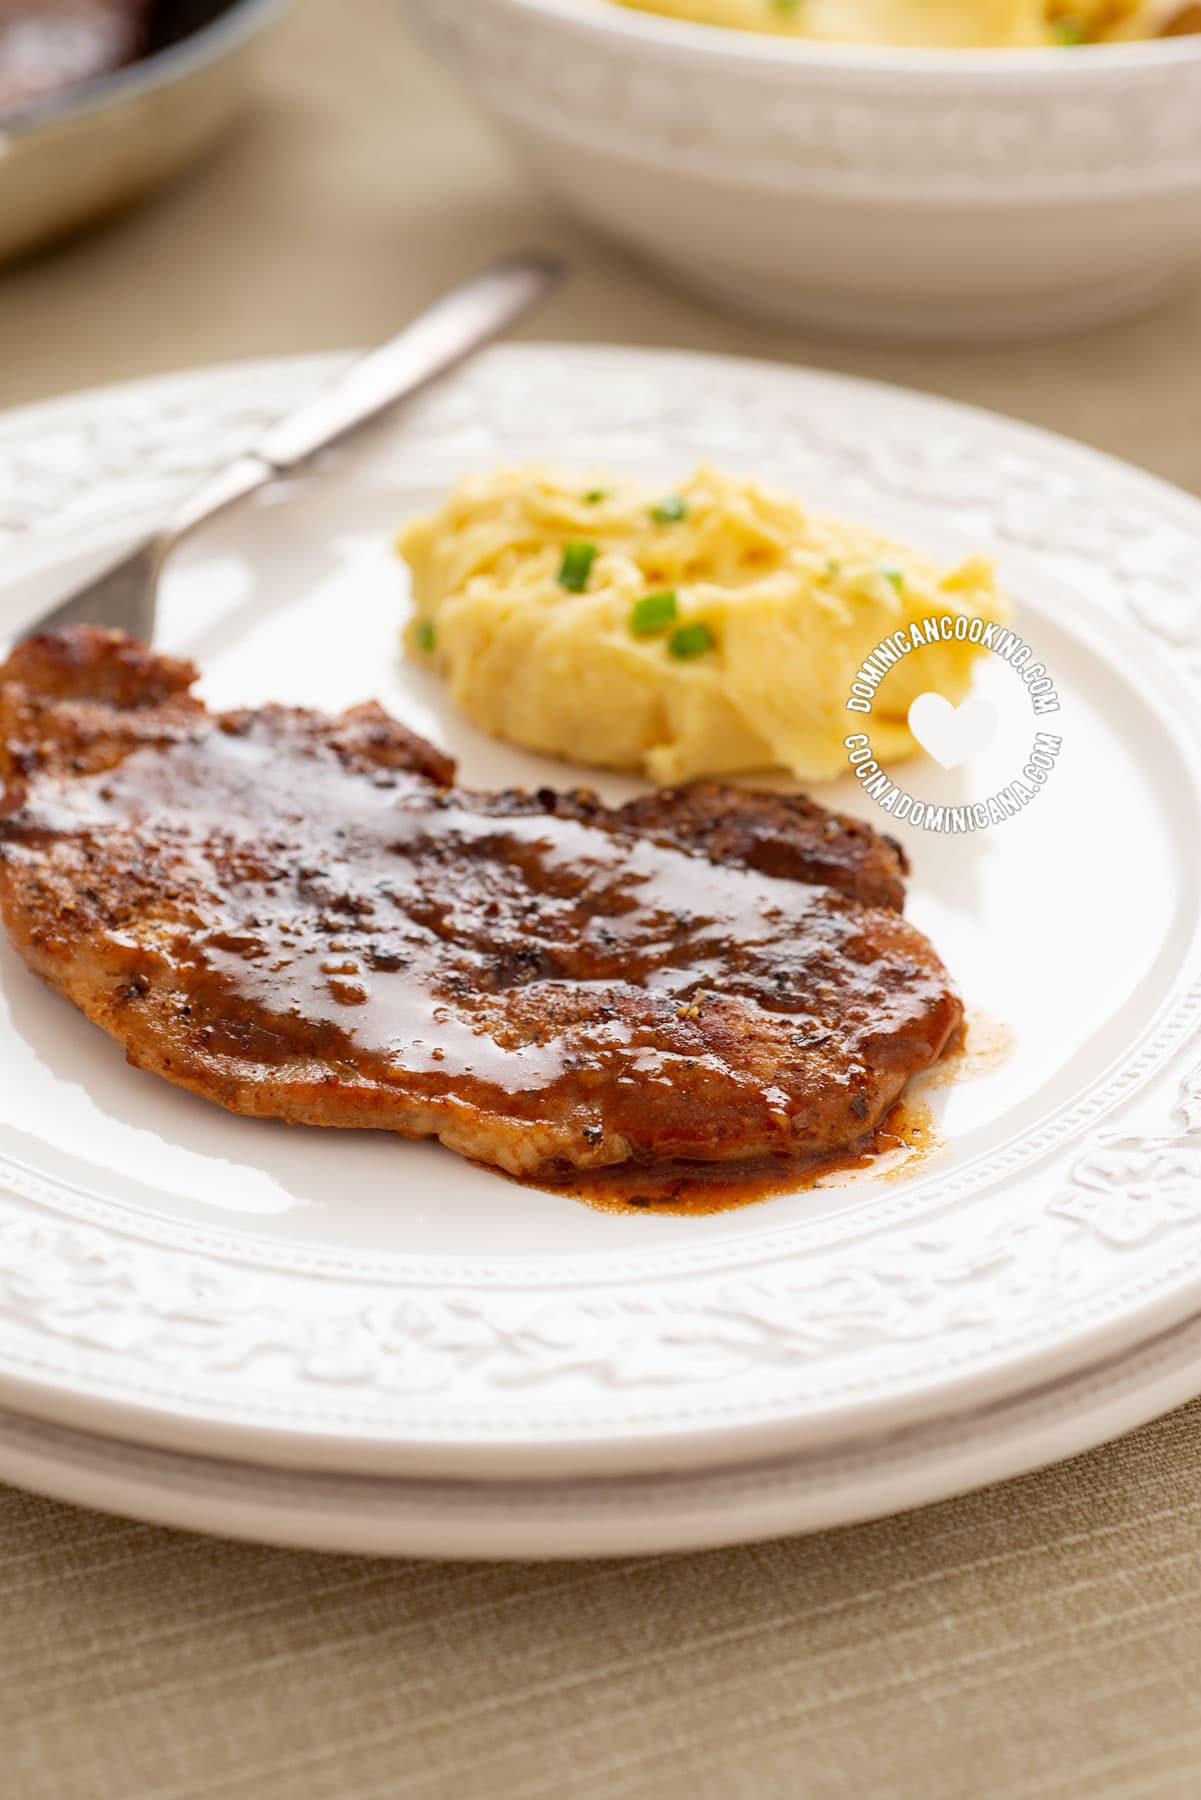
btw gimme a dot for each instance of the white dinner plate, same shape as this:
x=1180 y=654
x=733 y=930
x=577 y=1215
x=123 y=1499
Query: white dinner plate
x=630 y=1515
x=234 y=1288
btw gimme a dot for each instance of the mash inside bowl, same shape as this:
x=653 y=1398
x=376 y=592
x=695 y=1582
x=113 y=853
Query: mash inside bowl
x=710 y=630
x=940 y=24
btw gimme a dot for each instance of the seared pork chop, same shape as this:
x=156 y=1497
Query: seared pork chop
x=303 y=918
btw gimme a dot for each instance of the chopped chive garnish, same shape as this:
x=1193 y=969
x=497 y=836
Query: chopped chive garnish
x=833 y=567
x=690 y=640
x=594 y=496
x=786 y=6
x=1068 y=31
x=670 y=510
x=576 y=566
x=896 y=576
x=652 y=613
x=425 y=636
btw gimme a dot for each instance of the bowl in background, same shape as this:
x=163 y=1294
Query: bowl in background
x=921 y=195
x=101 y=146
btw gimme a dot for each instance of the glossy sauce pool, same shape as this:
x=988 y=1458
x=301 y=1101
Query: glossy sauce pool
x=907 y=1139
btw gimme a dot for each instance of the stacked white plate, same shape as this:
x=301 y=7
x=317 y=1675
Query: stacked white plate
x=344 y=1340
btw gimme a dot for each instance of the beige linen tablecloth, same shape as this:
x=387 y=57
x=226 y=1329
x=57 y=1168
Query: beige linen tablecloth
x=1037 y=1642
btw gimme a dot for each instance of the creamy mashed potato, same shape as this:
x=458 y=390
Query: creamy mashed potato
x=940 y=24
x=706 y=631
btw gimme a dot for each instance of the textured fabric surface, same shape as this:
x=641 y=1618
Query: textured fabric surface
x=1041 y=1641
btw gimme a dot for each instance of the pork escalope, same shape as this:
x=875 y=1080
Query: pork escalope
x=305 y=918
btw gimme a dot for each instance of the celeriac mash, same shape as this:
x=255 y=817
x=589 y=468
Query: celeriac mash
x=710 y=630
x=946 y=24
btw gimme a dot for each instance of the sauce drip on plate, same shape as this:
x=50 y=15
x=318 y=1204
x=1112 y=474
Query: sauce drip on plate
x=905 y=1142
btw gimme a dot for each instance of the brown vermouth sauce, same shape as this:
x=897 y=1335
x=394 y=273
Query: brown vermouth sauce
x=305 y=918
x=906 y=1140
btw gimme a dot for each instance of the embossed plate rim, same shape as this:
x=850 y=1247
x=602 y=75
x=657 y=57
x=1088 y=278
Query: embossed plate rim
x=632 y=1516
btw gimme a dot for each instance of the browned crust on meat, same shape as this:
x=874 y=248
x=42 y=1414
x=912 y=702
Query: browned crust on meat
x=785 y=835
x=302 y=918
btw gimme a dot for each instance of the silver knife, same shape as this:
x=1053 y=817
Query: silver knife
x=124 y=597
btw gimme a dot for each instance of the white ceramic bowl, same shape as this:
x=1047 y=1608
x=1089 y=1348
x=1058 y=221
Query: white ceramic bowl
x=930 y=195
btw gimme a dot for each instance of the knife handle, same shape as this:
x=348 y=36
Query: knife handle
x=436 y=341
x=462 y=321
